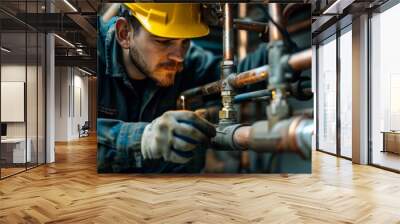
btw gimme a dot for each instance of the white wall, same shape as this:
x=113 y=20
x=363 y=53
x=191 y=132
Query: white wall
x=71 y=93
x=15 y=72
x=61 y=103
x=80 y=110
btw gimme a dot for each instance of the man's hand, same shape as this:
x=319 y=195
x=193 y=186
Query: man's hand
x=174 y=135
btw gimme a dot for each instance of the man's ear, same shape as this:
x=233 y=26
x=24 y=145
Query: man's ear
x=122 y=31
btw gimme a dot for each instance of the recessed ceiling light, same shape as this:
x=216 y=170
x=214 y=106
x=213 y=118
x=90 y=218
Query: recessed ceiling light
x=70 y=5
x=5 y=50
x=65 y=41
x=84 y=71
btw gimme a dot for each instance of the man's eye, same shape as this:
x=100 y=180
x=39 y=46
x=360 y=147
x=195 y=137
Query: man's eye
x=162 y=41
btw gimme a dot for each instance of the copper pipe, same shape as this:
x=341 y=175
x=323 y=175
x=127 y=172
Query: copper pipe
x=240 y=80
x=227 y=115
x=242 y=52
x=228 y=33
x=301 y=60
x=241 y=34
x=305 y=24
x=276 y=15
x=290 y=135
x=250 y=77
x=208 y=89
x=298 y=61
x=249 y=25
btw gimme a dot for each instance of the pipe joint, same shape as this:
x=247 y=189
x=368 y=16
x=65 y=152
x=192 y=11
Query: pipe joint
x=224 y=139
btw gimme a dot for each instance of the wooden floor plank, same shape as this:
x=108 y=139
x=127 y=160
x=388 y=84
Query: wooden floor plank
x=70 y=191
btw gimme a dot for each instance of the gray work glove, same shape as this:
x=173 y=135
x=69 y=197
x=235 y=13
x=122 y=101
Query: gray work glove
x=174 y=135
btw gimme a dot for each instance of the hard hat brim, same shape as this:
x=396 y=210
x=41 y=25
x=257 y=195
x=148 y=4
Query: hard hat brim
x=154 y=20
x=177 y=31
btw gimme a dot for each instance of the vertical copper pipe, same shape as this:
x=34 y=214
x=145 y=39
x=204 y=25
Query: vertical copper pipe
x=242 y=46
x=228 y=33
x=242 y=52
x=275 y=13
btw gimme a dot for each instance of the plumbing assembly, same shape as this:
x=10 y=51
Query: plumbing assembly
x=282 y=130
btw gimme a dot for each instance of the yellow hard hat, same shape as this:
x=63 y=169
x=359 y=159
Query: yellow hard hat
x=170 y=20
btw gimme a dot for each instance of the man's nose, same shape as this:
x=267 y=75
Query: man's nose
x=177 y=54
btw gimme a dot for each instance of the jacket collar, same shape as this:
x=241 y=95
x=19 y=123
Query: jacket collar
x=113 y=55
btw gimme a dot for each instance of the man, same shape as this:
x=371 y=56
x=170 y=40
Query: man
x=146 y=60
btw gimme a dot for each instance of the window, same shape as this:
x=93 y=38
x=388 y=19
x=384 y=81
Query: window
x=327 y=95
x=22 y=77
x=385 y=88
x=346 y=73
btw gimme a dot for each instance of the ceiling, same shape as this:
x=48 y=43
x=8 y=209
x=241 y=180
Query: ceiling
x=75 y=21
x=23 y=22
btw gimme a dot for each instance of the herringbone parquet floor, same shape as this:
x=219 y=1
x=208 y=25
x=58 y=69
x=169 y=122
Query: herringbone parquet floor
x=70 y=191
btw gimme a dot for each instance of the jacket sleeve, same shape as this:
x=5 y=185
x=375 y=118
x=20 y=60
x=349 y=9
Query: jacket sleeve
x=119 y=145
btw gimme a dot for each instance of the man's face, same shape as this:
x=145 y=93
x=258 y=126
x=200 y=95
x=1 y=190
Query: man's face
x=159 y=58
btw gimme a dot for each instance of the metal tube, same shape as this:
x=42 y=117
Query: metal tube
x=298 y=61
x=301 y=90
x=228 y=33
x=245 y=78
x=276 y=14
x=227 y=115
x=301 y=60
x=208 y=89
x=241 y=34
x=250 y=77
x=251 y=95
x=223 y=140
x=249 y=25
x=238 y=81
x=241 y=54
x=289 y=135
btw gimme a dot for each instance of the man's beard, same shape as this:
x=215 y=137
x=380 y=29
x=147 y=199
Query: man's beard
x=138 y=61
x=162 y=78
